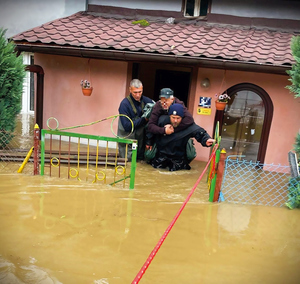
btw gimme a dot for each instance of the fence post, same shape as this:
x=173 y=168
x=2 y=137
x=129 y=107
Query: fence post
x=36 y=149
x=213 y=182
x=133 y=165
x=219 y=173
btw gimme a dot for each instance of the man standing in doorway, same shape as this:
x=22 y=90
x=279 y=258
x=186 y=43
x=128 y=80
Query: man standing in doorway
x=133 y=107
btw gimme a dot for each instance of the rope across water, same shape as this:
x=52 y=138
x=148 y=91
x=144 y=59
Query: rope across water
x=155 y=250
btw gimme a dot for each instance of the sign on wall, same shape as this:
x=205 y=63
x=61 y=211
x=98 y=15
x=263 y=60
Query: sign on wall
x=204 y=106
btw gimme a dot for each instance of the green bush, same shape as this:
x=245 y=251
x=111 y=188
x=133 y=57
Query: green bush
x=297 y=146
x=295 y=80
x=295 y=71
x=294 y=193
x=12 y=74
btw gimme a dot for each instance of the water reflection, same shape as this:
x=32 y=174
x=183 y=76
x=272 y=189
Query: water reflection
x=65 y=231
x=24 y=132
x=233 y=218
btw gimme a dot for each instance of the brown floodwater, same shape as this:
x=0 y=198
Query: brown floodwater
x=59 y=230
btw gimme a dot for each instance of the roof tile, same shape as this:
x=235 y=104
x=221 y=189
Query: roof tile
x=202 y=39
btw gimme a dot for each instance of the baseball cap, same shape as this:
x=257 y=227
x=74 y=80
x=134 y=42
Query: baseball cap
x=166 y=93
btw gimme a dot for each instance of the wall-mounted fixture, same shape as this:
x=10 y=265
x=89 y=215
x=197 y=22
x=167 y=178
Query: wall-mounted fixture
x=205 y=83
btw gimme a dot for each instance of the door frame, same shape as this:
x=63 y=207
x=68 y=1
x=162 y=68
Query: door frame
x=269 y=108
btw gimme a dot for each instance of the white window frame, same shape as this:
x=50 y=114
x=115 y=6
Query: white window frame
x=26 y=85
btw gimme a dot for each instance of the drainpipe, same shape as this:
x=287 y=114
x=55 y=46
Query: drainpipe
x=39 y=92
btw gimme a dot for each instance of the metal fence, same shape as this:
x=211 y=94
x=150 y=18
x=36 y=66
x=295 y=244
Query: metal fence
x=20 y=143
x=81 y=157
x=254 y=183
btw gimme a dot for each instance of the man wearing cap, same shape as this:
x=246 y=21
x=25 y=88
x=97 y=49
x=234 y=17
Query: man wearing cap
x=171 y=149
x=133 y=107
x=161 y=108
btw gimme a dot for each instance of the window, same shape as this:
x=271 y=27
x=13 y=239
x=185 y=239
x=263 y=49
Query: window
x=195 y=8
x=28 y=86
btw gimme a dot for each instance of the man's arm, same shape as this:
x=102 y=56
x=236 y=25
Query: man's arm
x=153 y=120
x=203 y=137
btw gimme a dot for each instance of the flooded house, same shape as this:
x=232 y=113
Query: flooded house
x=200 y=49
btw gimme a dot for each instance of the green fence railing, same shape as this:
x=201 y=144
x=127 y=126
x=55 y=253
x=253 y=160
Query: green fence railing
x=81 y=155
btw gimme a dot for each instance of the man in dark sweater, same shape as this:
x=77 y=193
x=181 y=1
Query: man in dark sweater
x=133 y=107
x=171 y=149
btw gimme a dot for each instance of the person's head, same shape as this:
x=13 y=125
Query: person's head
x=166 y=98
x=136 y=89
x=176 y=113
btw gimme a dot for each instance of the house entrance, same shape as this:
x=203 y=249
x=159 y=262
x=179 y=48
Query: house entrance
x=178 y=81
x=157 y=76
x=246 y=122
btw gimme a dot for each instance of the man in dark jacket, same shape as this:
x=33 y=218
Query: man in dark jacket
x=171 y=149
x=161 y=108
x=133 y=107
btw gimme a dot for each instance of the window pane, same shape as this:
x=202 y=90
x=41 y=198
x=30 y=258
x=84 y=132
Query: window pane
x=242 y=125
x=203 y=7
x=190 y=6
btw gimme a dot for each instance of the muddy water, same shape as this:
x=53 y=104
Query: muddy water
x=65 y=231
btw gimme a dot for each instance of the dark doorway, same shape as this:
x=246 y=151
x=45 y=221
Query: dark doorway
x=156 y=76
x=178 y=81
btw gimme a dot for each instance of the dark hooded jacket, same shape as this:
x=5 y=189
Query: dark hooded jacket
x=126 y=108
x=134 y=110
x=173 y=146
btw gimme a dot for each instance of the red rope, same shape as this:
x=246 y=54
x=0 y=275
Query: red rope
x=160 y=242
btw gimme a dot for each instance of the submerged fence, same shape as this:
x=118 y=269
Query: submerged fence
x=66 y=154
x=81 y=157
x=254 y=183
x=14 y=146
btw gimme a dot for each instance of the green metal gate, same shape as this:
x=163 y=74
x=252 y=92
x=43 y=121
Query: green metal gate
x=75 y=155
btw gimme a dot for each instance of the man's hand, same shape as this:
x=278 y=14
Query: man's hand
x=210 y=141
x=148 y=147
x=169 y=129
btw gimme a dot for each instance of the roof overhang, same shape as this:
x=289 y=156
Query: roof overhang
x=138 y=56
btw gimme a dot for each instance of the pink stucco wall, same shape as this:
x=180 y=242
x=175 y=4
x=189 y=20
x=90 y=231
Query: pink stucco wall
x=63 y=98
x=286 y=116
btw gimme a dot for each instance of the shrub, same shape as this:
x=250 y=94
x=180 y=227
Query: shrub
x=297 y=145
x=12 y=74
x=295 y=71
x=295 y=80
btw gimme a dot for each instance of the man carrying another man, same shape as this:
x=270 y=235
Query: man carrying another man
x=161 y=108
x=171 y=149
